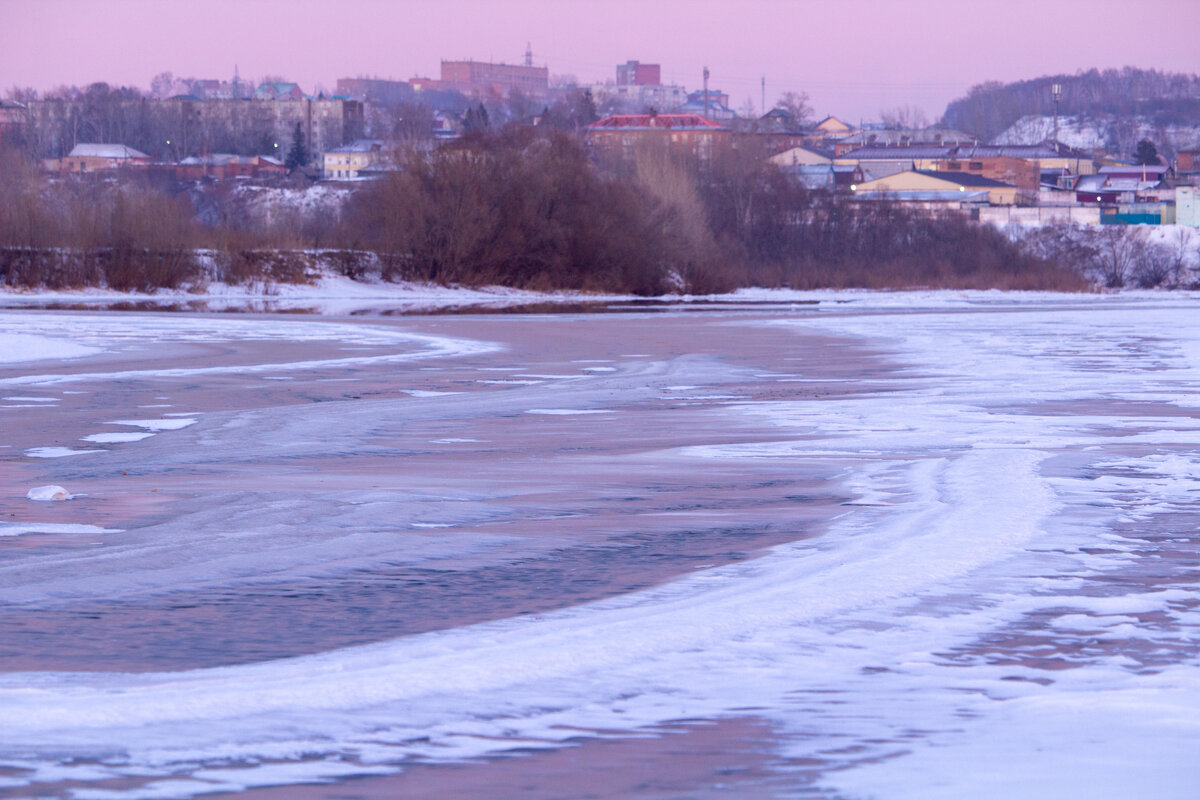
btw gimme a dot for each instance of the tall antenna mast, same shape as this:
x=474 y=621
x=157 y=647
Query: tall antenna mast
x=706 y=92
x=1056 y=93
x=528 y=54
x=763 y=105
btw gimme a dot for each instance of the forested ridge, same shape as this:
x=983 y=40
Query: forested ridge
x=1160 y=98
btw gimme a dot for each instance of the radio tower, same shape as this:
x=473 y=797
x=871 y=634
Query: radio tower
x=706 y=92
x=1056 y=92
x=528 y=54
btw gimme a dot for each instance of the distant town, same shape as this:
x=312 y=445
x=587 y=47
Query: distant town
x=192 y=129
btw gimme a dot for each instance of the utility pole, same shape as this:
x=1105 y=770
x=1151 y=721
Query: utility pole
x=706 y=92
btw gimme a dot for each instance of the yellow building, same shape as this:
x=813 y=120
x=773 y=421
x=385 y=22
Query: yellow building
x=346 y=162
x=832 y=126
x=921 y=182
x=799 y=157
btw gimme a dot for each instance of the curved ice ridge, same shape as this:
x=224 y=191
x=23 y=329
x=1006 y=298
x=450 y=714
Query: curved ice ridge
x=106 y=332
x=689 y=647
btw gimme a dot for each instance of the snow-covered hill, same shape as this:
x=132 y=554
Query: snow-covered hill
x=1114 y=134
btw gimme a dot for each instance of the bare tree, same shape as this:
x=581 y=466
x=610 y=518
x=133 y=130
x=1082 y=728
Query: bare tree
x=162 y=85
x=21 y=94
x=797 y=106
x=1118 y=252
x=904 y=117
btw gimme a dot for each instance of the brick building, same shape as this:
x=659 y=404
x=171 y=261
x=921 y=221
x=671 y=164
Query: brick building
x=97 y=158
x=635 y=73
x=477 y=78
x=223 y=166
x=620 y=136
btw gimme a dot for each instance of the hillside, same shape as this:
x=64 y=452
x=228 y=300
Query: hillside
x=1156 y=98
x=1114 y=134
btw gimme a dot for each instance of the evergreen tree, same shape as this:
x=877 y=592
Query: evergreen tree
x=476 y=119
x=298 y=154
x=1147 y=153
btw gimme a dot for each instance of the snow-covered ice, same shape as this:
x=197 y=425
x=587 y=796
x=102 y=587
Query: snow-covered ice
x=48 y=493
x=57 y=452
x=1004 y=603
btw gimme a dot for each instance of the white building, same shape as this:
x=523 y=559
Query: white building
x=1187 y=211
x=635 y=98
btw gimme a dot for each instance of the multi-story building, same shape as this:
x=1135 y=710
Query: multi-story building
x=202 y=127
x=13 y=117
x=349 y=160
x=622 y=135
x=637 y=98
x=477 y=78
x=635 y=73
x=639 y=88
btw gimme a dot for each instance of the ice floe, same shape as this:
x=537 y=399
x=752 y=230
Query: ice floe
x=48 y=493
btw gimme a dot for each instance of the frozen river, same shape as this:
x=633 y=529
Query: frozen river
x=901 y=547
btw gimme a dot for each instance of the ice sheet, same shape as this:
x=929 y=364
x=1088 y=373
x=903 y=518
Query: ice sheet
x=980 y=622
x=16 y=348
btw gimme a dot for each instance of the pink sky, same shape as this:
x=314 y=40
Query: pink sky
x=853 y=58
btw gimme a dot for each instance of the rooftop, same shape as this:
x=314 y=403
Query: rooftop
x=1136 y=170
x=655 y=121
x=963 y=178
x=105 y=151
x=359 y=146
x=900 y=153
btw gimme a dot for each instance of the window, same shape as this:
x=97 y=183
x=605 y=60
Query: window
x=975 y=166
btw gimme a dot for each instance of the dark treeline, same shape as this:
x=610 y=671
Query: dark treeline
x=75 y=233
x=1161 y=98
x=522 y=207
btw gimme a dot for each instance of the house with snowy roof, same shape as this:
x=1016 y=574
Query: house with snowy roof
x=223 y=166
x=928 y=184
x=93 y=157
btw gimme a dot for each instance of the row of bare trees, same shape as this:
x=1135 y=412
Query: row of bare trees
x=70 y=234
x=1117 y=256
x=523 y=207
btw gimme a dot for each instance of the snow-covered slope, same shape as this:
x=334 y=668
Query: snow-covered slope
x=1104 y=132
